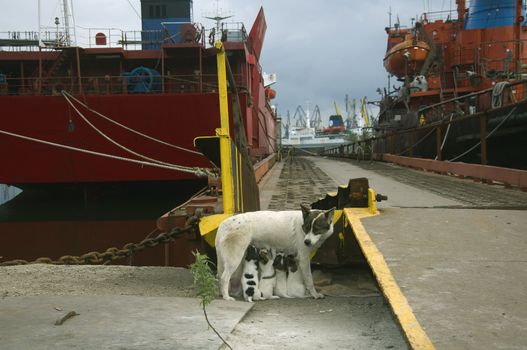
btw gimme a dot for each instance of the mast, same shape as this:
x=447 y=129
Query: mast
x=69 y=23
x=461 y=10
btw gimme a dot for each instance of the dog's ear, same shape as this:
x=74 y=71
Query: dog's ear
x=329 y=215
x=306 y=208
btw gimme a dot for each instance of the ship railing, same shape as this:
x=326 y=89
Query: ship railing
x=229 y=32
x=88 y=37
x=97 y=37
x=109 y=85
x=472 y=103
x=29 y=40
x=432 y=122
x=444 y=15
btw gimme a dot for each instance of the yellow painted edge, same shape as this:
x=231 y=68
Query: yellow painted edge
x=412 y=330
x=208 y=226
x=372 y=204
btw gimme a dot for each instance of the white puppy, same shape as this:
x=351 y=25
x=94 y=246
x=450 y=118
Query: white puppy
x=295 y=284
x=280 y=267
x=296 y=232
x=267 y=274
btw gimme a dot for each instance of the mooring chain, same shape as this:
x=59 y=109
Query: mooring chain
x=94 y=258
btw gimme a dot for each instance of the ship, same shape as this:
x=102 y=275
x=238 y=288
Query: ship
x=462 y=92
x=305 y=139
x=99 y=134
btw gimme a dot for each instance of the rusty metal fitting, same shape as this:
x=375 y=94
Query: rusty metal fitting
x=380 y=197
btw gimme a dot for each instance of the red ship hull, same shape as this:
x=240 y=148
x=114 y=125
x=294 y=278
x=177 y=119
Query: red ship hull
x=173 y=118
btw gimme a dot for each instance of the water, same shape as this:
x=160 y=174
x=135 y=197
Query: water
x=8 y=192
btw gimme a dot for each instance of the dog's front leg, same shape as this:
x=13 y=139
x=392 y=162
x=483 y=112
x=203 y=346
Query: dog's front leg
x=305 y=269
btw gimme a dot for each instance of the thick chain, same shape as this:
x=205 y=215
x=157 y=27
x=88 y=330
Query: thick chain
x=94 y=258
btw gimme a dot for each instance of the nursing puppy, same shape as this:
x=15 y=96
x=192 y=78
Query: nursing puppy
x=250 y=285
x=280 y=266
x=295 y=232
x=295 y=284
x=267 y=274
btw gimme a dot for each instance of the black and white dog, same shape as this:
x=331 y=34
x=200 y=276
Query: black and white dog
x=295 y=232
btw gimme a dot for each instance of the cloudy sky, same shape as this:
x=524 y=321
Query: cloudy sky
x=319 y=50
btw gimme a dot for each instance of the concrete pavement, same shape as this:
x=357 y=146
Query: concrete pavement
x=463 y=269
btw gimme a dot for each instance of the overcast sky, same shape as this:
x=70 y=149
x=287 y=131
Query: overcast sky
x=319 y=50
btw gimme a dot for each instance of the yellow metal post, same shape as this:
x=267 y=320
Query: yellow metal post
x=227 y=183
x=337 y=110
x=364 y=112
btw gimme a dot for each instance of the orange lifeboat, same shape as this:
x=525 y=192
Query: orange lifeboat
x=407 y=57
x=270 y=93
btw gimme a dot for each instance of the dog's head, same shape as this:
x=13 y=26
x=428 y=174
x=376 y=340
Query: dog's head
x=292 y=263
x=265 y=255
x=317 y=226
x=252 y=253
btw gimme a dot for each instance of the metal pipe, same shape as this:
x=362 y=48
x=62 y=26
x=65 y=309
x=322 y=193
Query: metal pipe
x=224 y=134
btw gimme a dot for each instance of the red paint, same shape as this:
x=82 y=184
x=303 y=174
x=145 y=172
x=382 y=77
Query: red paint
x=513 y=177
x=173 y=118
x=80 y=237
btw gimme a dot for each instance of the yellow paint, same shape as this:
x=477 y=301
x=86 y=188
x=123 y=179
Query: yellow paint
x=412 y=330
x=364 y=112
x=337 y=110
x=240 y=182
x=227 y=185
x=372 y=203
x=208 y=225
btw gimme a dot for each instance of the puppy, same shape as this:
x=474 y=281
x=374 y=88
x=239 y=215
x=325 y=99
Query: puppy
x=295 y=284
x=250 y=275
x=296 y=232
x=267 y=274
x=280 y=267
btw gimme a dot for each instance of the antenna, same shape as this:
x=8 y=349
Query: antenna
x=219 y=15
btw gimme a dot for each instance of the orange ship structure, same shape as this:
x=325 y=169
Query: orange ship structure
x=463 y=92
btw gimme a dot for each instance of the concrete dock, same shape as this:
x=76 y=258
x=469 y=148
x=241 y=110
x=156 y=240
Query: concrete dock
x=457 y=250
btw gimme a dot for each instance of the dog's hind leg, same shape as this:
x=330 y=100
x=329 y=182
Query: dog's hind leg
x=231 y=245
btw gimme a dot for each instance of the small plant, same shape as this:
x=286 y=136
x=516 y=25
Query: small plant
x=206 y=285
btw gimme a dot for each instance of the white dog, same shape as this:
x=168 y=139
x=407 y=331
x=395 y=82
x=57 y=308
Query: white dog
x=296 y=232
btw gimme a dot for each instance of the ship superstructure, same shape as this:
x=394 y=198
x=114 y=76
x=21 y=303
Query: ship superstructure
x=463 y=76
x=125 y=108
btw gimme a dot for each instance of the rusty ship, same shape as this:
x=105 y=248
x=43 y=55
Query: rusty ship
x=100 y=137
x=463 y=92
